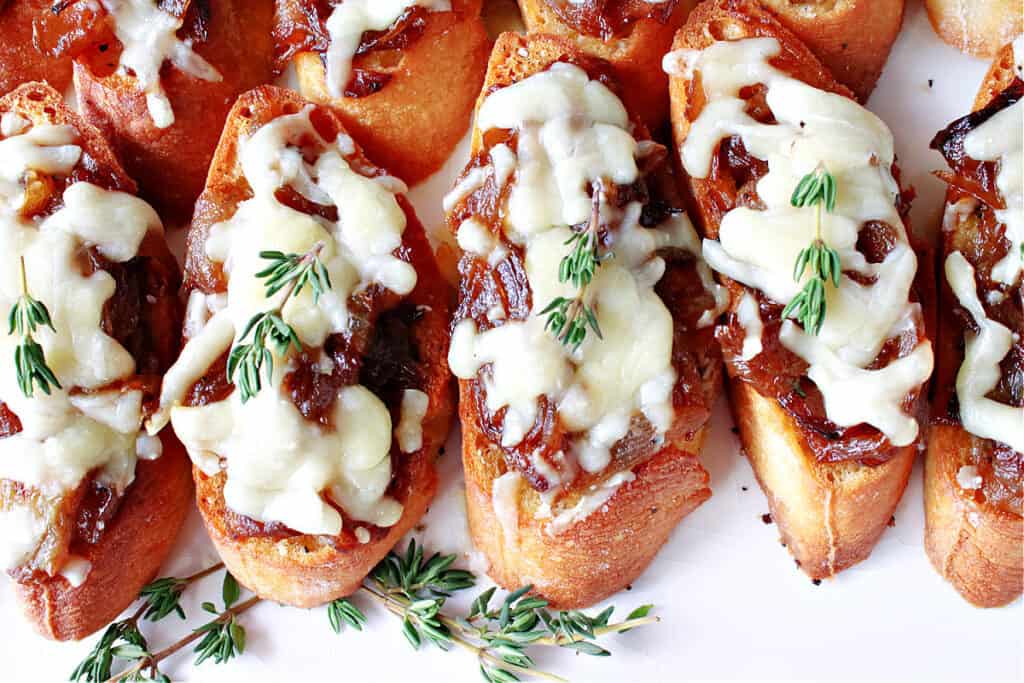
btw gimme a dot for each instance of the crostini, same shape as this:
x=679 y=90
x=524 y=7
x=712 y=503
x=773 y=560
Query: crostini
x=89 y=504
x=583 y=340
x=158 y=80
x=976 y=27
x=20 y=62
x=798 y=198
x=975 y=461
x=403 y=74
x=852 y=38
x=633 y=35
x=312 y=392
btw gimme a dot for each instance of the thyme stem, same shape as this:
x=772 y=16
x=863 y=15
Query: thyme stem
x=171 y=649
x=397 y=605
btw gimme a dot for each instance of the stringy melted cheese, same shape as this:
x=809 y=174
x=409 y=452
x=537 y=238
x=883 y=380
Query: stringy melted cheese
x=78 y=429
x=980 y=372
x=350 y=20
x=278 y=463
x=149 y=37
x=758 y=248
x=573 y=132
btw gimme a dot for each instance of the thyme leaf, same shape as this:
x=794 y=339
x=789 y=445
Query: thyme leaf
x=26 y=316
x=569 y=319
x=817 y=189
x=250 y=363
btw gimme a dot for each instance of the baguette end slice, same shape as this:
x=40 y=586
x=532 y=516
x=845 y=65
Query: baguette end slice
x=303 y=570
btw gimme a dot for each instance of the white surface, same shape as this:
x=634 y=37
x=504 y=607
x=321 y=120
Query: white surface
x=732 y=603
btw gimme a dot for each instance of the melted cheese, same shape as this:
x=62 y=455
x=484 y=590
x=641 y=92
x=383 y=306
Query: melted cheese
x=749 y=314
x=573 y=133
x=505 y=500
x=409 y=431
x=758 y=247
x=350 y=20
x=593 y=500
x=280 y=465
x=1001 y=139
x=980 y=372
x=149 y=37
x=65 y=435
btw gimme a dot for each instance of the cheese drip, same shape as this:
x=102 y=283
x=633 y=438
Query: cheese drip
x=149 y=37
x=573 y=134
x=278 y=463
x=1001 y=139
x=758 y=248
x=65 y=436
x=350 y=20
x=980 y=372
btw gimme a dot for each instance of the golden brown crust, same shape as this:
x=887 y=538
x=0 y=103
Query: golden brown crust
x=852 y=38
x=976 y=27
x=830 y=514
x=20 y=62
x=171 y=164
x=306 y=571
x=973 y=544
x=412 y=124
x=128 y=556
x=136 y=542
x=636 y=57
x=608 y=549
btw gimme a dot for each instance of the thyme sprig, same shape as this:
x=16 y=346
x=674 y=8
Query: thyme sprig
x=249 y=363
x=410 y=585
x=223 y=636
x=569 y=318
x=817 y=189
x=415 y=591
x=26 y=316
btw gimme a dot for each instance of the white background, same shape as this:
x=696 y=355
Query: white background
x=732 y=603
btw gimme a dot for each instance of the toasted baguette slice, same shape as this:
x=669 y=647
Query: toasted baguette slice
x=171 y=163
x=636 y=55
x=852 y=38
x=976 y=545
x=305 y=570
x=414 y=122
x=976 y=27
x=20 y=62
x=830 y=515
x=609 y=548
x=137 y=540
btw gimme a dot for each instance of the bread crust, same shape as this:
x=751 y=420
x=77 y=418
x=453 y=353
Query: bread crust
x=412 y=124
x=830 y=515
x=609 y=548
x=304 y=570
x=976 y=27
x=852 y=38
x=137 y=540
x=973 y=544
x=171 y=163
x=636 y=57
x=20 y=62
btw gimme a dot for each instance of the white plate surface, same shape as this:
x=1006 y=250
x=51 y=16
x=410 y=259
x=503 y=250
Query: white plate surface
x=732 y=603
